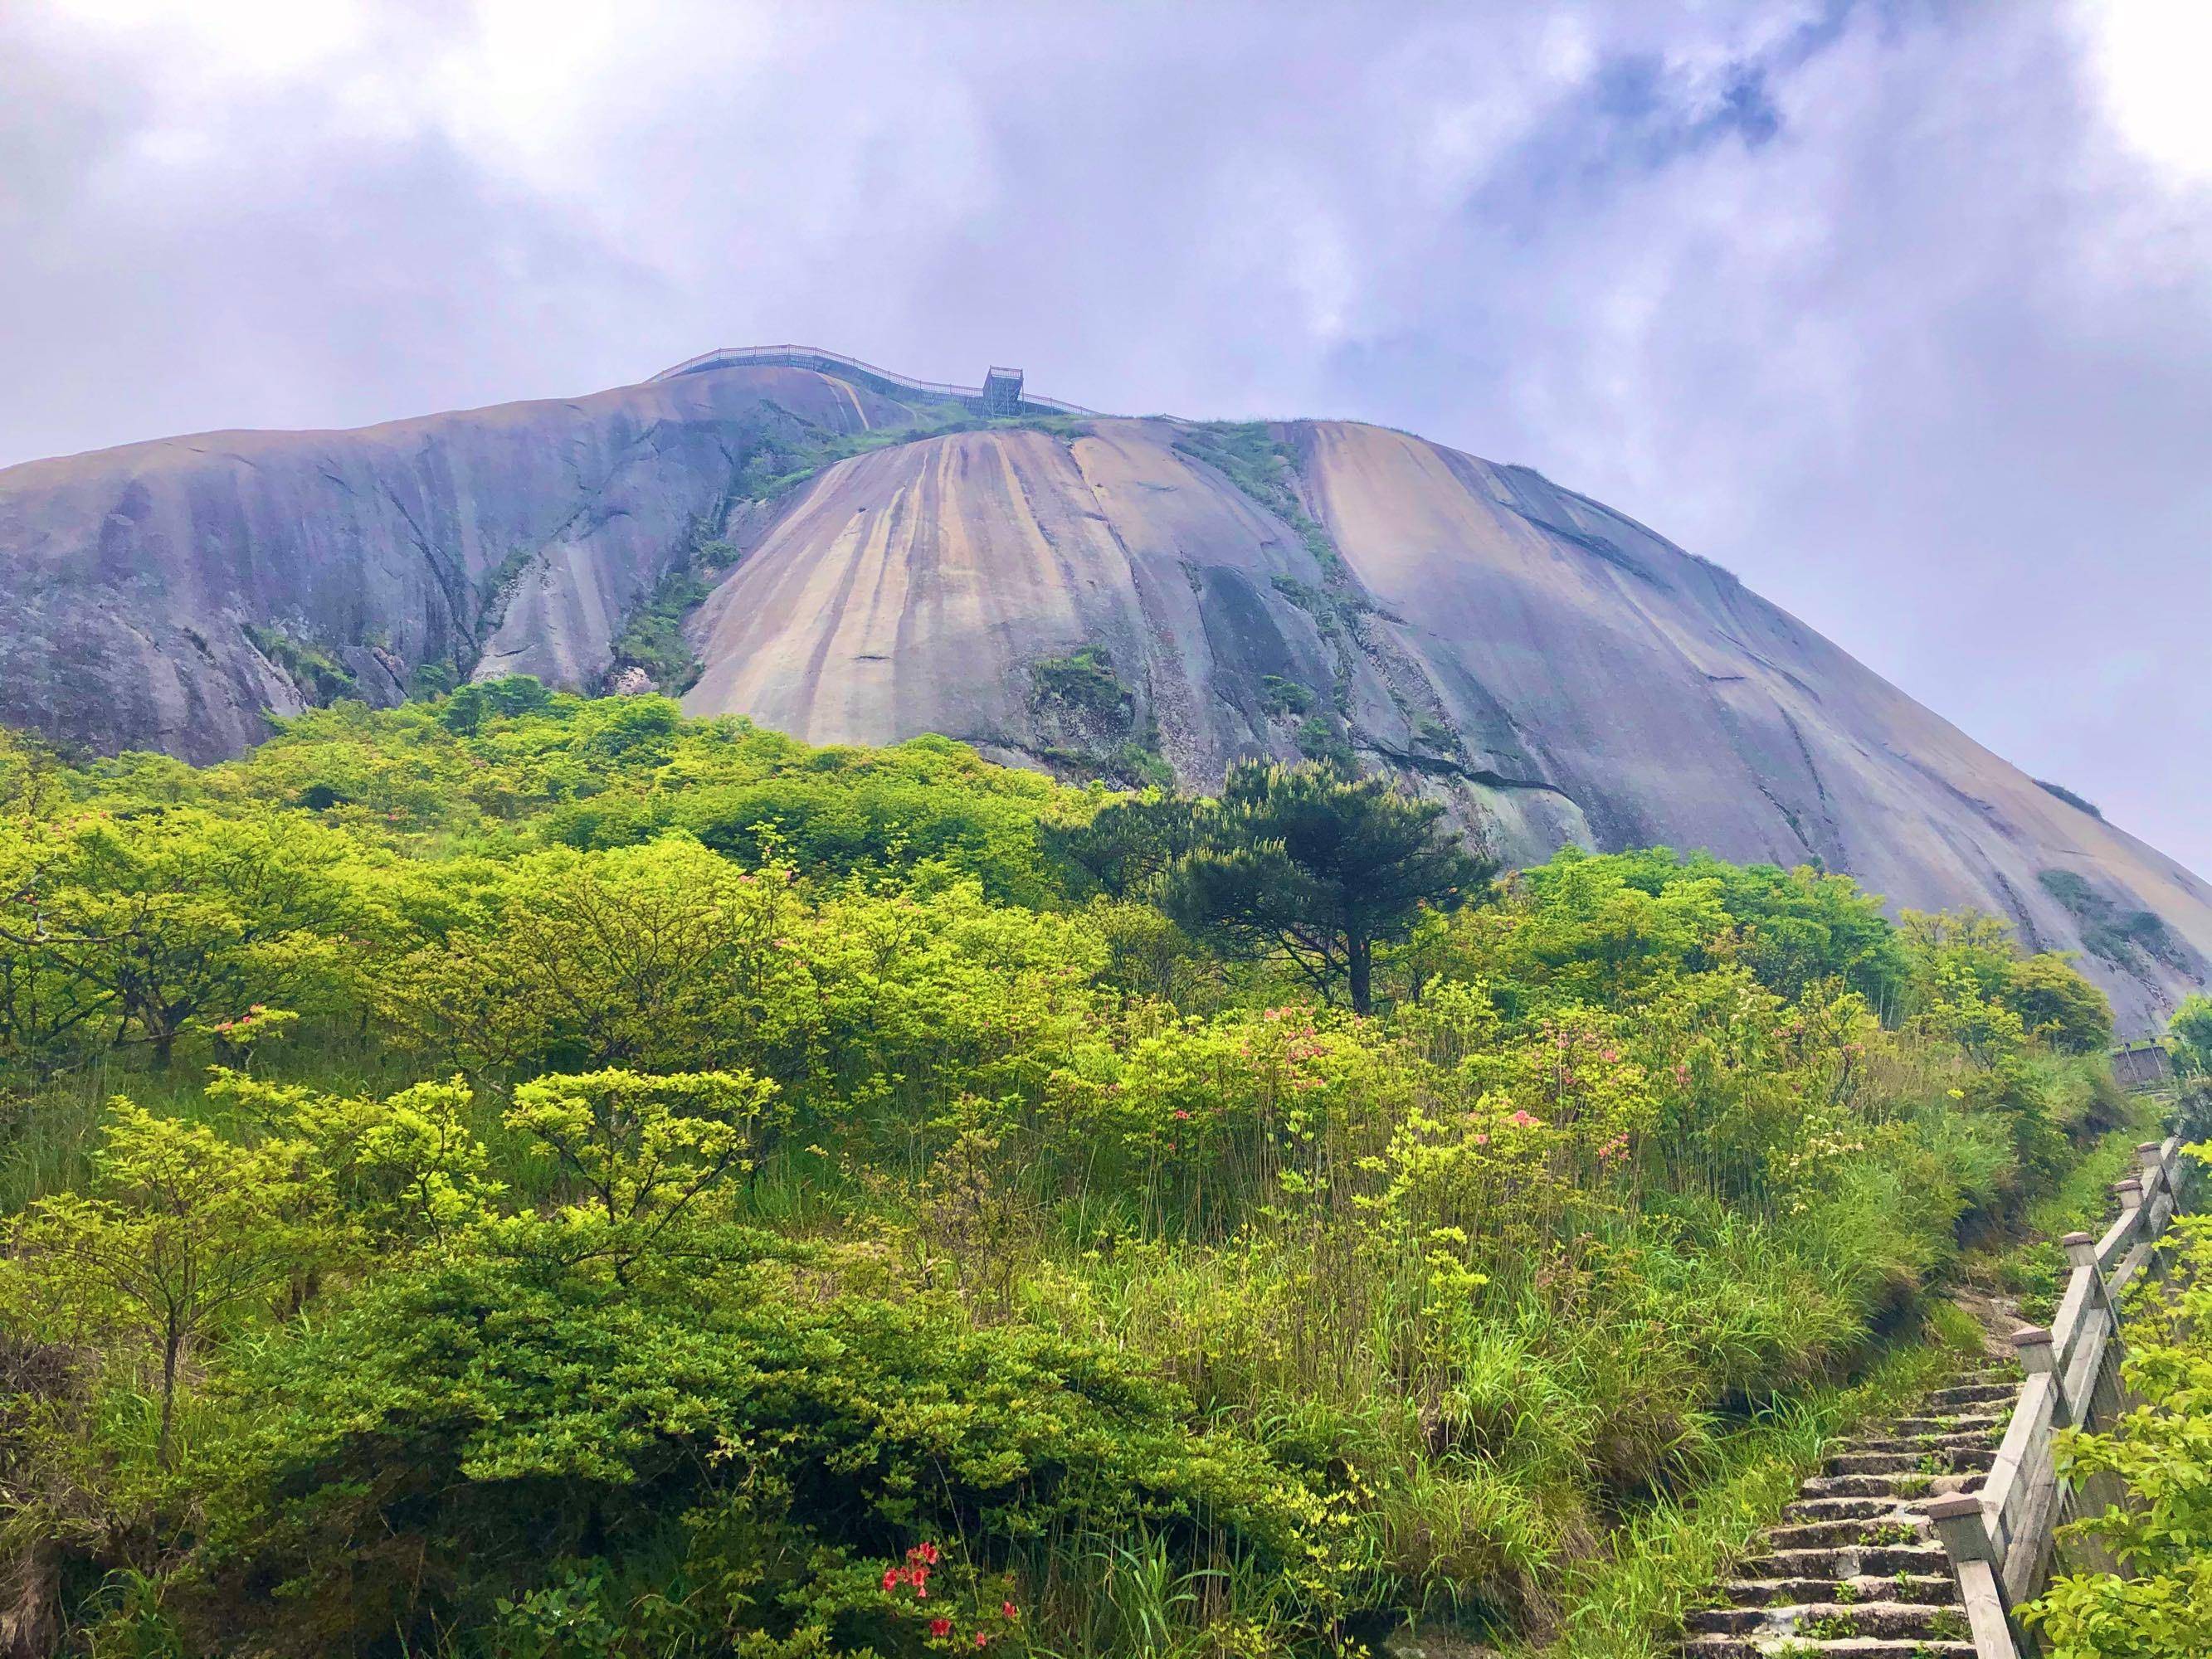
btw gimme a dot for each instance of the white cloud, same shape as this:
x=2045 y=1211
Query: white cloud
x=2150 y=58
x=1900 y=311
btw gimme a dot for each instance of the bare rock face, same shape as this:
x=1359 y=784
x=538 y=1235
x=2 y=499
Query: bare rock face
x=164 y=594
x=1130 y=599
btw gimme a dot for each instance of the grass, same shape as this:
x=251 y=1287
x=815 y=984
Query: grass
x=2107 y=931
x=48 y=1131
x=2032 y=1267
x=318 y=676
x=1083 y=680
x=1662 y=1562
x=652 y=637
x=1248 y=454
x=776 y=469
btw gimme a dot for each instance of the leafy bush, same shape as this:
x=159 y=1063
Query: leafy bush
x=2117 y=935
x=784 y=1453
x=1083 y=680
x=318 y=676
x=675 y=1184
x=2159 y=1604
x=2067 y=795
x=652 y=637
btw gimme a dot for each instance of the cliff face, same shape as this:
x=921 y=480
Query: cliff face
x=1097 y=596
x=162 y=595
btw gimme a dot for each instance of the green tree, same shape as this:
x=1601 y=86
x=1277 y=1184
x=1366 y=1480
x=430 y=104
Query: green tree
x=1319 y=868
x=180 y=1232
x=637 y=1153
x=1127 y=846
x=2192 y=1026
x=153 y=922
x=405 y=1168
x=582 y=959
x=2058 y=1004
x=51 y=1012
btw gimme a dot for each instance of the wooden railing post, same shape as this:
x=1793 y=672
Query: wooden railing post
x=2131 y=1194
x=2157 y=1188
x=2034 y=1347
x=2081 y=1252
x=1962 y=1526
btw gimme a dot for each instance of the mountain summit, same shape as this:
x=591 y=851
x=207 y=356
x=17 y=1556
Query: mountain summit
x=852 y=555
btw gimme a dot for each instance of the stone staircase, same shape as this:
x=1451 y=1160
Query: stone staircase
x=1854 y=1571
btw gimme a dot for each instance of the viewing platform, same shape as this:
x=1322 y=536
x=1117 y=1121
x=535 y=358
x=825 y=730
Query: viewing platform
x=1000 y=394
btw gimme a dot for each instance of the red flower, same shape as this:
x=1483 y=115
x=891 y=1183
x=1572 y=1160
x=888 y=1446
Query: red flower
x=1007 y=1609
x=923 y=1553
x=891 y=1577
x=940 y=1627
x=982 y=1640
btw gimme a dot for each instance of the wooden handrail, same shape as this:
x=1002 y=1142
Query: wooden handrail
x=2001 y=1540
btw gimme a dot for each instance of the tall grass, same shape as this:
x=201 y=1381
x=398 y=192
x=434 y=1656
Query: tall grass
x=49 y=1130
x=1628 y=1602
x=2106 y=1124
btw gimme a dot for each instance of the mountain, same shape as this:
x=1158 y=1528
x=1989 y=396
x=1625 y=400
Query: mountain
x=857 y=556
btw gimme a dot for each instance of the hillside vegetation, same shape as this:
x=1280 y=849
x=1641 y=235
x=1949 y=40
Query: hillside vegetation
x=517 y=1174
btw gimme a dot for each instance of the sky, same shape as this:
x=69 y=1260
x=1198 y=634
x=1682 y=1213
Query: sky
x=1902 y=312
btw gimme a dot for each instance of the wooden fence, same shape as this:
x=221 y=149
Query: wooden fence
x=2001 y=1540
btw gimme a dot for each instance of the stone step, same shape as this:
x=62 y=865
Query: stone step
x=1937 y=1589
x=1944 y=1402
x=1924 y=1443
x=1848 y=1561
x=1843 y=1509
x=1826 y=1621
x=1930 y=1589
x=1854 y=1571
x=1816 y=1535
x=1962 y=1422
x=1950 y=1459
x=1775 y=1592
x=1711 y=1646
x=1899 y=1488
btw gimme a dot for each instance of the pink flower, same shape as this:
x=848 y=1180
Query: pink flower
x=1524 y=1120
x=940 y=1627
x=1610 y=1055
x=891 y=1578
x=1008 y=1610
